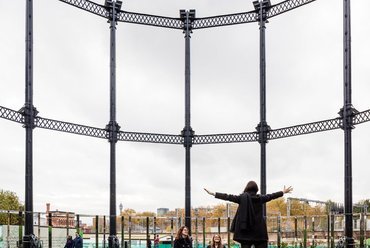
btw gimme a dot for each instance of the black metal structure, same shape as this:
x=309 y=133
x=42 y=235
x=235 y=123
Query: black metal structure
x=29 y=112
x=113 y=8
x=187 y=22
x=347 y=113
x=187 y=18
x=262 y=8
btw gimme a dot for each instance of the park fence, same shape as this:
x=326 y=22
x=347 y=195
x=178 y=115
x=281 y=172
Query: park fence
x=52 y=229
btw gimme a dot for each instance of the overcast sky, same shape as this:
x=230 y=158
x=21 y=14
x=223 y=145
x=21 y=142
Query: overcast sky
x=71 y=83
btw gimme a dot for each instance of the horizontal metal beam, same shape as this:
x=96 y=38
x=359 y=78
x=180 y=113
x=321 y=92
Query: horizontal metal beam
x=314 y=127
x=11 y=115
x=177 y=23
x=286 y=6
x=361 y=117
x=71 y=128
x=224 y=20
x=225 y=138
x=151 y=138
x=150 y=20
x=89 y=6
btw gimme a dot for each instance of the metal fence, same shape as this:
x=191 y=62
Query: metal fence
x=52 y=230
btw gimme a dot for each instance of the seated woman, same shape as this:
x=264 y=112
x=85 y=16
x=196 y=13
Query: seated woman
x=216 y=242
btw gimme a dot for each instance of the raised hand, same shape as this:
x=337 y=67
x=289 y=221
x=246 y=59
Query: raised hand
x=209 y=192
x=287 y=190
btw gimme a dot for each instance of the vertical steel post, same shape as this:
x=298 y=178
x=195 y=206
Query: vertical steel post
x=347 y=114
x=96 y=231
x=29 y=113
x=129 y=230
x=328 y=231
x=228 y=231
x=104 y=229
x=122 y=230
x=262 y=7
x=148 y=242
x=67 y=224
x=187 y=132
x=305 y=232
x=279 y=231
x=204 y=231
x=113 y=127
x=172 y=232
x=20 y=229
x=332 y=231
x=50 y=231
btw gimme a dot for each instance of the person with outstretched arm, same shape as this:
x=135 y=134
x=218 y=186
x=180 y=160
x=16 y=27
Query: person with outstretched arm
x=249 y=225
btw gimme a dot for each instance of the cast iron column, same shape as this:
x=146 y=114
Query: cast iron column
x=347 y=113
x=112 y=127
x=187 y=132
x=262 y=7
x=29 y=113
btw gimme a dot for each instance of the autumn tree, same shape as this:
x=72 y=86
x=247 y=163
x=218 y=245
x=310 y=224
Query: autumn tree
x=9 y=201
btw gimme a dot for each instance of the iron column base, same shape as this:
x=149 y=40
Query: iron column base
x=113 y=241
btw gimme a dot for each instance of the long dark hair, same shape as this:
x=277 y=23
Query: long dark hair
x=251 y=187
x=213 y=241
x=179 y=232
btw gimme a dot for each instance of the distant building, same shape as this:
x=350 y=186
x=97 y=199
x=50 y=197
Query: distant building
x=102 y=226
x=162 y=211
x=60 y=218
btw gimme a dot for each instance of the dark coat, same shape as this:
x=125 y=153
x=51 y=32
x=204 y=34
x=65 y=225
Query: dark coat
x=183 y=243
x=77 y=242
x=69 y=244
x=248 y=223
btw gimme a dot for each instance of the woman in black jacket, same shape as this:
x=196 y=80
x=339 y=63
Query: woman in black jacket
x=182 y=239
x=249 y=225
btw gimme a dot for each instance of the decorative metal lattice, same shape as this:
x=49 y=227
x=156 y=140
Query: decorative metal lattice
x=225 y=138
x=151 y=20
x=286 y=6
x=313 y=127
x=224 y=20
x=361 y=117
x=151 y=138
x=11 y=115
x=89 y=6
x=70 y=128
x=177 y=23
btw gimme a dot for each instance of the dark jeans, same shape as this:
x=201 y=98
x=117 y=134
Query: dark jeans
x=256 y=244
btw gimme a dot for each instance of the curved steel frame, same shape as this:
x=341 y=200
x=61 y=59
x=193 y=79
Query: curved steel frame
x=186 y=22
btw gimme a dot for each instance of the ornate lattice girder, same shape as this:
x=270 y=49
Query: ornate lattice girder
x=89 y=6
x=308 y=128
x=313 y=127
x=177 y=23
x=151 y=138
x=11 y=115
x=224 y=20
x=225 y=138
x=361 y=117
x=151 y=20
x=71 y=128
x=285 y=6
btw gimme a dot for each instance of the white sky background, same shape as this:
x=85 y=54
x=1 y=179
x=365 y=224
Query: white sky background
x=71 y=83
